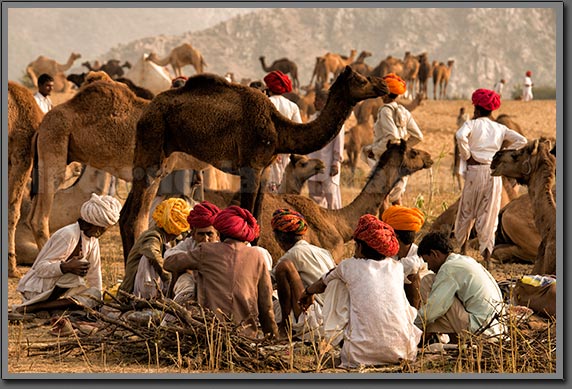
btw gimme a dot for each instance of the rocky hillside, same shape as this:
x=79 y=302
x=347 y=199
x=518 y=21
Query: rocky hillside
x=486 y=44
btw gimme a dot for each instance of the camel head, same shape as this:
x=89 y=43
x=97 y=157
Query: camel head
x=520 y=163
x=152 y=56
x=127 y=65
x=75 y=56
x=355 y=87
x=305 y=167
x=97 y=76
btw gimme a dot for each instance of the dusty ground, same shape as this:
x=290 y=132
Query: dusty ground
x=437 y=121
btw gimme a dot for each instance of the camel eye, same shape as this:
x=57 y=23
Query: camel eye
x=304 y=164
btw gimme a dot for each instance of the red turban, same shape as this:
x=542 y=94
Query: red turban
x=237 y=223
x=487 y=99
x=403 y=218
x=278 y=82
x=202 y=215
x=288 y=220
x=377 y=235
x=528 y=73
x=395 y=84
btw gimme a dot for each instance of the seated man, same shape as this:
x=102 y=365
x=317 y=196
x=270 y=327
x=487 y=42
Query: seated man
x=68 y=268
x=406 y=222
x=231 y=276
x=144 y=268
x=301 y=265
x=461 y=296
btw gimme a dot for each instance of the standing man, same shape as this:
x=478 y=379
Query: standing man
x=479 y=139
x=278 y=83
x=42 y=96
x=324 y=188
x=499 y=86
x=527 y=88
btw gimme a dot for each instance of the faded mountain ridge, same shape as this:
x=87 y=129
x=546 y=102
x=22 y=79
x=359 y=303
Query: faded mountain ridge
x=485 y=43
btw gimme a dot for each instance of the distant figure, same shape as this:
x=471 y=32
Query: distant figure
x=42 y=96
x=527 y=88
x=459 y=164
x=499 y=86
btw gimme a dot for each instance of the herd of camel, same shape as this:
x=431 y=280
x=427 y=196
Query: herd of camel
x=213 y=122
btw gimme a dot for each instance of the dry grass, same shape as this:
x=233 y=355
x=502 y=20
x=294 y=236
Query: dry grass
x=531 y=345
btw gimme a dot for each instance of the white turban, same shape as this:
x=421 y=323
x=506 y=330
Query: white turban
x=101 y=211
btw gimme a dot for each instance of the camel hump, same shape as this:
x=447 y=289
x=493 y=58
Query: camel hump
x=205 y=80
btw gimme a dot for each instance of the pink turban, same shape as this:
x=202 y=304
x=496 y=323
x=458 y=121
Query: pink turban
x=395 y=84
x=528 y=73
x=290 y=221
x=202 y=215
x=278 y=82
x=487 y=99
x=237 y=223
x=377 y=235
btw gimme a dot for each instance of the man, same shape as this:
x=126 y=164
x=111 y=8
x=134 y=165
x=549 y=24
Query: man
x=277 y=84
x=499 y=86
x=406 y=222
x=42 y=96
x=231 y=276
x=324 y=188
x=527 y=88
x=394 y=122
x=478 y=140
x=301 y=265
x=461 y=296
x=67 y=270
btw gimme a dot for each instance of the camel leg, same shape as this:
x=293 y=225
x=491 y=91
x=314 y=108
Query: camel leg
x=249 y=187
x=487 y=259
x=17 y=177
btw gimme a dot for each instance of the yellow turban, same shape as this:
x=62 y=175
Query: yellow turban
x=171 y=215
x=395 y=84
x=404 y=218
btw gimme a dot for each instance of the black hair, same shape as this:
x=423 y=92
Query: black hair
x=392 y=96
x=287 y=237
x=435 y=241
x=44 y=78
x=481 y=112
x=407 y=237
x=368 y=252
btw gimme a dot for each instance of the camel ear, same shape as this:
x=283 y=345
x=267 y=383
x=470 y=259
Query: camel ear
x=347 y=70
x=534 y=147
x=294 y=158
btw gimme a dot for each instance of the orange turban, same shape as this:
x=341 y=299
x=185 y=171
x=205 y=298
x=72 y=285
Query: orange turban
x=288 y=220
x=377 y=235
x=278 y=82
x=403 y=218
x=237 y=223
x=171 y=215
x=487 y=99
x=202 y=215
x=395 y=84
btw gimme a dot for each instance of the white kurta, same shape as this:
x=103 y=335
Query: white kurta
x=480 y=200
x=44 y=102
x=324 y=189
x=527 y=89
x=39 y=282
x=380 y=327
x=290 y=110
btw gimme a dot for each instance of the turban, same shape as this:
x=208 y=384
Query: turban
x=377 y=235
x=395 y=84
x=528 y=73
x=288 y=220
x=403 y=218
x=101 y=211
x=171 y=215
x=278 y=82
x=237 y=223
x=487 y=99
x=202 y=215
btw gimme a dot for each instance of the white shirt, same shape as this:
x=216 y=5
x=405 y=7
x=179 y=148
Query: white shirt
x=330 y=154
x=483 y=137
x=412 y=264
x=44 y=102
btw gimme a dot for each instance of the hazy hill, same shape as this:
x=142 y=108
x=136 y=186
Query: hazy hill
x=486 y=44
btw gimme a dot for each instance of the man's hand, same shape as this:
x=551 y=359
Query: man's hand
x=306 y=300
x=334 y=170
x=76 y=265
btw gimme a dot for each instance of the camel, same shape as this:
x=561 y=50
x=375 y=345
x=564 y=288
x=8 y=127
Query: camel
x=179 y=57
x=331 y=229
x=425 y=72
x=411 y=67
x=47 y=65
x=360 y=66
x=297 y=172
x=24 y=118
x=210 y=111
x=335 y=63
x=535 y=167
x=388 y=65
x=144 y=93
x=285 y=66
x=304 y=102
x=77 y=79
x=320 y=74
x=441 y=75
x=112 y=67
x=95 y=127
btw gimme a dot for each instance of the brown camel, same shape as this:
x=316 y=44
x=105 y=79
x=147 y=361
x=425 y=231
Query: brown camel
x=331 y=229
x=535 y=167
x=177 y=115
x=179 y=57
x=320 y=74
x=388 y=65
x=144 y=93
x=304 y=102
x=410 y=73
x=297 y=172
x=47 y=65
x=425 y=72
x=359 y=64
x=95 y=127
x=285 y=66
x=335 y=63
x=441 y=75
x=24 y=117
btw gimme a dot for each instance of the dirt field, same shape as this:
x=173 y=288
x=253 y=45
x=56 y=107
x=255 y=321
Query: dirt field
x=437 y=121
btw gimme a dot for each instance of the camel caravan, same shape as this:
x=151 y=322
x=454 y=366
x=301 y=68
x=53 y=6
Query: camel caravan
x=130 y=123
